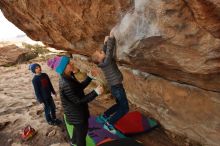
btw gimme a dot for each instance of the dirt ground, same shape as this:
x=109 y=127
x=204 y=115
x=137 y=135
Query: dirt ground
x=18 y=107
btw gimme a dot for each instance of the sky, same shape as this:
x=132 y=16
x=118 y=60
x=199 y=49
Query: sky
x=7 y=29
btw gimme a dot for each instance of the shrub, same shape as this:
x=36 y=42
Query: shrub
x=36 y=49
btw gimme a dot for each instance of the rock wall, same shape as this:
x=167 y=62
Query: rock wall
x=65 y=24
x=169 y=49
x=183 y=109
x=173 y=40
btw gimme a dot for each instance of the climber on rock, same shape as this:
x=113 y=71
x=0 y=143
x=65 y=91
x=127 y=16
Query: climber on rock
x=106 y=60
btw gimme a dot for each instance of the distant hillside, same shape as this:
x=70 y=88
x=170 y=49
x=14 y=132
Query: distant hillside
x=18 y=40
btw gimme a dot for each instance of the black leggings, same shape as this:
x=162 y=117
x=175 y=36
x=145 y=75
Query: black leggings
x=79 y=134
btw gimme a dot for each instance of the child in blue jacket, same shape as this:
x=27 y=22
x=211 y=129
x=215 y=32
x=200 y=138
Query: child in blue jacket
x=43 y=89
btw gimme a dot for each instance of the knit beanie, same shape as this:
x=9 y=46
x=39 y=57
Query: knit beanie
x=58 y=63
x=33 y=66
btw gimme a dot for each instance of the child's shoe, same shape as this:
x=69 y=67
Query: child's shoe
x=109 y=127
x=101 y=119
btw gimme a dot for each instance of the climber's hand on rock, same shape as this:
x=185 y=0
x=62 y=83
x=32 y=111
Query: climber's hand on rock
x=112 y=32
x=106 y=39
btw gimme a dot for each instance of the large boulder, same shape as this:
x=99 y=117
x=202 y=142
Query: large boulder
x=183 y=109
x=68 y=24
x=178 y=40
x=12 y=54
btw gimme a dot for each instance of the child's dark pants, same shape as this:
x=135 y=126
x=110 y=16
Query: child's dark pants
x=49 y=109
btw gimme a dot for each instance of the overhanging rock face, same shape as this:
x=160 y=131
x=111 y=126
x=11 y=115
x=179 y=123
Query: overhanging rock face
x=174 y=39
x=66 y=24
x=178 y=40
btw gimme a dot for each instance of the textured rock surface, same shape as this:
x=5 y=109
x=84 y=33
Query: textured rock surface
x=11 y=54
x=173 y=40
x=183 y=109
x=207 y=15
x=178 y=40
x=65 y=24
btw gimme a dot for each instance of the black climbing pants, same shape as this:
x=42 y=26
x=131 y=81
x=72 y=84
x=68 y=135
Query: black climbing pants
x=79 y=134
